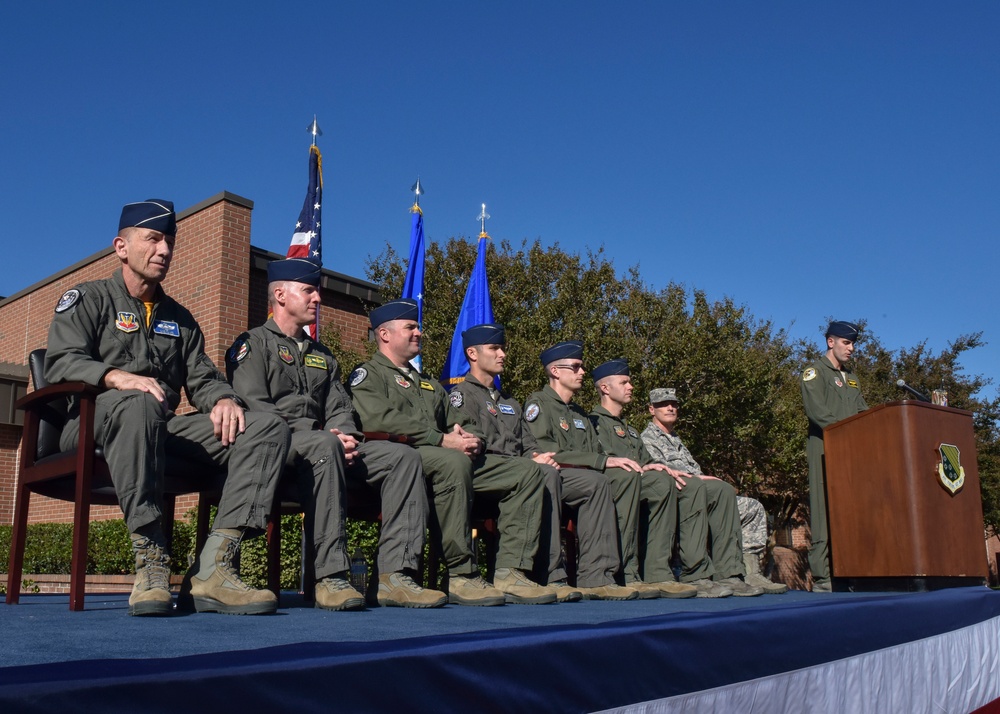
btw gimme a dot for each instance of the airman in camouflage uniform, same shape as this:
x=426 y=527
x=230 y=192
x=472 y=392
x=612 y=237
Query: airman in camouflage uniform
x=276 y=368
x=830 y=393
x=126 y=335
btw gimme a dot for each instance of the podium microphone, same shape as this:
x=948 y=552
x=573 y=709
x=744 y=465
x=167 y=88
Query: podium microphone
x=919 y=395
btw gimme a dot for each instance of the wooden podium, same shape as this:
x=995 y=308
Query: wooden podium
x=890 y=514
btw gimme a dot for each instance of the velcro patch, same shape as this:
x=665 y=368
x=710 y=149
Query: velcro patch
x=358 y=376
x=317 y=361
x=68 y=300
x=456 y=398
x=531 y=412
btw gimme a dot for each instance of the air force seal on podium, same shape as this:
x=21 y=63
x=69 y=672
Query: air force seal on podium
x=950 y=470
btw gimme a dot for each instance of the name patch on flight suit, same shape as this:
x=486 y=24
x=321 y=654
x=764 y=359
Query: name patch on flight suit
x=506 y=409
x=166 y=327
x=315 y=361
x=633 y=433
x=427 y=385
x=127 y=322
x=285 y=355
x=578 y=423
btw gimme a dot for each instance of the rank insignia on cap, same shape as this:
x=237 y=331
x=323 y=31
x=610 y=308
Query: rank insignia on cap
x=358 y=376
x=456 y=399
x=402 y=382
x=285 y=355
x=810 y=373
x=620 y=430
x=239 y=351
x=563 y=424
x=315 y=361
x=127 y=322
x=490 y=408
x=531 y=412
x=68 y=300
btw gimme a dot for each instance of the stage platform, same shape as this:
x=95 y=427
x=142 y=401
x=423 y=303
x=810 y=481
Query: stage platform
x=830 y=652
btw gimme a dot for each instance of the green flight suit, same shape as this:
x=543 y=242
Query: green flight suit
x=98 y=326
x=566 y=430
x=829 y=395
x=300 y=382
x=403 y=402
x=499 y=418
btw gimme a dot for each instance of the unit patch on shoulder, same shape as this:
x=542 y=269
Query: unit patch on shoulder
x=456 y=398
x=68 y=300
x=285 y=354
x=316 y=361
x=401 y=381
x=810 y=373
x=239 y=351
x=127 y=322
x=531 y=412
x=358 y=376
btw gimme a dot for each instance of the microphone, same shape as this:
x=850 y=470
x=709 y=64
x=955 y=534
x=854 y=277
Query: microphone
x=919 y=395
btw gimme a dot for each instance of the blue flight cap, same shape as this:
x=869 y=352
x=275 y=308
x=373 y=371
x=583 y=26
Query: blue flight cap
x=571 y=349
x=402 y=309
x=846 y=330
x=612 y=367
x=484 y=335
x=298 y=270
x=154 y=214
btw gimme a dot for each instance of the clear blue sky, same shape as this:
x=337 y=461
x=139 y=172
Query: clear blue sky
x=807 y=159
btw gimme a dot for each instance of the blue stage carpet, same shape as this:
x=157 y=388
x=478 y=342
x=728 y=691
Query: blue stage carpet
x=558 y=658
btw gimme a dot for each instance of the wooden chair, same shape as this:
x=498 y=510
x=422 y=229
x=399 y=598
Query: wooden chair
x=79 y=475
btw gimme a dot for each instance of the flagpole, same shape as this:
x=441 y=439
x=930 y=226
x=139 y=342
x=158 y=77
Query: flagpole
x=413 y=284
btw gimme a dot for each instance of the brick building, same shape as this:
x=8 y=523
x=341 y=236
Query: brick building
x=216 y=273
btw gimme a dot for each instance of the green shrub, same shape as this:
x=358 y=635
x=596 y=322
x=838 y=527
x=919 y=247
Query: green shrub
x=109 y=548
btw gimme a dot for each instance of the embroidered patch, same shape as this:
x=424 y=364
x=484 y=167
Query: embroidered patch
x=239 y=351
x=127 y=322
x=633 y=433
x=490 y=408
x=620 y=430
x=578 y=423
x=358 y=376
x=506 y=409
x=427 y=385
x=852 y=383
x=838 y=383
x=68 y=300
x=810 y=373
x=317 y=361
x=563 y=424
x=401 y=381
x=531 y=412
x=166 y=327
x=285 y=355
x=456 y=398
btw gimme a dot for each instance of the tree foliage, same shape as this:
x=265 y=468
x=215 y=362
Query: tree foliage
x=737 y=376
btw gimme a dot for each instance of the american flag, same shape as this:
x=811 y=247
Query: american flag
x=307 y=241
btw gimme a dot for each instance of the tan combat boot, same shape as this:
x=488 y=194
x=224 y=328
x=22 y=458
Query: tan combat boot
x=610 y=592
x=472 y=590
x=337 y=594
x=675 y=590
x=519 y=589
x=565 y=592
x=755 y=577
x=214 y=585
x=151 y=591
x=400 y=590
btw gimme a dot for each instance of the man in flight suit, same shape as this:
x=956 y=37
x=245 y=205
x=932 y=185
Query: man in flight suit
x=276 y=368
x=830 y=393
x=126 y=335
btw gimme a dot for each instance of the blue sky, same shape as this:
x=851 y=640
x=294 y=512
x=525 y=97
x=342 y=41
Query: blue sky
x=807 y=159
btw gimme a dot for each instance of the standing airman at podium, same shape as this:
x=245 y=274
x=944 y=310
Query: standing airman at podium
x=830 y=393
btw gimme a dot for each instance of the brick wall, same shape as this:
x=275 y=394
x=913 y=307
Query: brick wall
x=213 y=274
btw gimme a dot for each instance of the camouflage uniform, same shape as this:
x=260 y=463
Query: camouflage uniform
x=829 y=395
x=723 y=513
x=499 y=418
x=566 y=430
x=300 y=382
x=404 y=402
x=99 y=326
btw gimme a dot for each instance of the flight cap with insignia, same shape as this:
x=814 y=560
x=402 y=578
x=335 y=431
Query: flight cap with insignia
x=484 y=335
x=663 y=394
x=154 y=214
x=847 y=330
x=610 y=368
x=402 y=309
x=571 y=349
x=296 y=270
